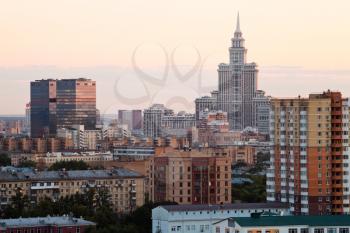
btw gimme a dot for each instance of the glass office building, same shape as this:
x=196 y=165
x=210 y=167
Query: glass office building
x=62 y=104
x=43 y=108
x=76 y=103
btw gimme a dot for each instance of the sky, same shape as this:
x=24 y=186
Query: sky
x=161 y=51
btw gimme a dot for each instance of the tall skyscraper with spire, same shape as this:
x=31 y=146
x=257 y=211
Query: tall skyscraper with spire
x=238 y=84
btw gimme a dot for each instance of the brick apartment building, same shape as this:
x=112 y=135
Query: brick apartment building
x=310 y=153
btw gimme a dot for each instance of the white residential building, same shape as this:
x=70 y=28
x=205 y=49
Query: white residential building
x=200 y=218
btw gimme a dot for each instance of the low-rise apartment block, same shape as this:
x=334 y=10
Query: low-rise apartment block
x=47 y=159
x=201 y=218
x=125 y=187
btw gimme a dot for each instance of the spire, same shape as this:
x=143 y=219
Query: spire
x=238 y=27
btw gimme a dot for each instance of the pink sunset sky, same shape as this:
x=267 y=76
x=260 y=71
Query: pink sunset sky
x=300 y=47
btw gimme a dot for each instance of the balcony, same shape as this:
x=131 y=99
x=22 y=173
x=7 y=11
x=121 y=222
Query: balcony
x=45 y=186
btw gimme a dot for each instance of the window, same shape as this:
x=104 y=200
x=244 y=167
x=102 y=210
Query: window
x=332 y=230
x=304 y=230
x=293 y=230
x=319 y=230
x=217 y=230
x=343 y=230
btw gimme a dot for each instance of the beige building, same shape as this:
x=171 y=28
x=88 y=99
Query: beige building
x=47 y=159
x=125 y=187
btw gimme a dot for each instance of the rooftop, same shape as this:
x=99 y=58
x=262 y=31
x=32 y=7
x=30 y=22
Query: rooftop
x=43 y=221
x=309 y=220
x=12 y=174
x=182 y=208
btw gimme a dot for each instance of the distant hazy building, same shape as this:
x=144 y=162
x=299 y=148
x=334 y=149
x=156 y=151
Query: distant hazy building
x=131 y=152
x=205 y=103
x=178 y=124
x=81 y=138
x=210 y=123
x=237 y=84
x=76 y=103
x=43 y=107
x=116 y=131
x=27 y=118
x=152 y=120
x=131 y=118
x=261 y=112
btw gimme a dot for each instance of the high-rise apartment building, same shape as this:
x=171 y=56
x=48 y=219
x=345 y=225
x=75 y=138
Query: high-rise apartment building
x=237 y=84
x=152 y=120
x=43 y=108
x=190 y=177
x=309 y=140
x=76 y=103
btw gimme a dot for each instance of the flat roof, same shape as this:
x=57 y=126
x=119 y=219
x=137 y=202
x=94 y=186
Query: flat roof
x=43 y=221
x=307 y=220
x=182 y=208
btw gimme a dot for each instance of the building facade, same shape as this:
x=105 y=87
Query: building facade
x=60 y=104
x=131 y=118
x=177 y=124
x=43 y=102
x=264 y=222
x=152 y=120
x=205 y=103
x=261 y=112
x=131 y=152
x=76 y=103
x=190 y=177
x=237 y=84
x=201 y=218
x=46 y=224
x=125 y=187
x=309 y=140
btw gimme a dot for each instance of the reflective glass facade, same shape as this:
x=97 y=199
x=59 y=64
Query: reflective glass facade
x=43 y=108
x=76 y=103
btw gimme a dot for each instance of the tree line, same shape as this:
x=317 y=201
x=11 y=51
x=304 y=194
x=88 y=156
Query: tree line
x=93 y=205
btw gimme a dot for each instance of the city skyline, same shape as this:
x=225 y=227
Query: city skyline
x=307 y=46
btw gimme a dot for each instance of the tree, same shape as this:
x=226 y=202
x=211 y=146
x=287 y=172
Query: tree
x=19 y=206
x=27 y=163
x=69 y=165
x=5 y=160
